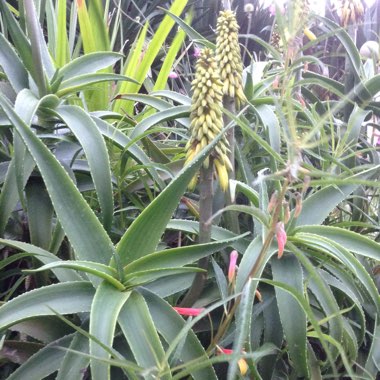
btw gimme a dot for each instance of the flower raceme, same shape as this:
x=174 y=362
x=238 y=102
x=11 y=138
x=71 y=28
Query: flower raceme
x=228 y=56
x=207 y=118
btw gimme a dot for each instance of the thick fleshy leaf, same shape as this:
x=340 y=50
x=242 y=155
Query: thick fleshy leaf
x=99 y=270
x=217 y=233
x=145 y=232
x=165 y=115
x=82 y=82
x=89 y=239
x=40 y=214
x=169 y=324
x=329 y=197
x=12 y=66
x=243 y=326
x=44 y=362
x=350 y=240
x=140 y=332
x=177 y=257
x=293 y=319
x=95 y=149
x=45 y=257
x=105 y=309
x=73 y=364
x=88 y=64
x=123 y=141
x=48 y=300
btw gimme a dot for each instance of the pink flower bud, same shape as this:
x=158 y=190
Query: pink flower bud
x=188 y=311
x=232 y=267
x=197 y=52
x=173 y=75
x=281 y=238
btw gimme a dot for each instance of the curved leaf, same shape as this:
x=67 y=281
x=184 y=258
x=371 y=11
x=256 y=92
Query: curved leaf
x=95 y=149
x=105 y=310
x=45 y=362
x=140 y=332
x=48 y=300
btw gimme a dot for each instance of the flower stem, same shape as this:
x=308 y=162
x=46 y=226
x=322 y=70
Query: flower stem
x=205 y=215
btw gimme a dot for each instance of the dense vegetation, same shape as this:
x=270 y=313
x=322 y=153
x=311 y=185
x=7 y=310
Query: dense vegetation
x=189 y=191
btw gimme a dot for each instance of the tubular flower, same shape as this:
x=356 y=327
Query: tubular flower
x=228 y=56
x=188 y=311
x=351 y=12
x=243 y=366
x=207 y=118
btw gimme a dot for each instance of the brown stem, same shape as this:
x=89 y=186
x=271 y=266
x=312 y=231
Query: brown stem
x=205 y=214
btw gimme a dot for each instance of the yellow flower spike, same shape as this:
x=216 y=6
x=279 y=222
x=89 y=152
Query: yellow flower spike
x=309 y=34
x=206 y=117
x=228 y=56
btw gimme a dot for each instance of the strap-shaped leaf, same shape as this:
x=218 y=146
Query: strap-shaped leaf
x=48 y=300
x=89 y=240
x=73 y=364
x=350 y=240
x=89 y=64
x=105 y=310
x=140 y=332
x=45 y=362
x=169 y=324
x=288 y=271
x=99 y=270
x=95 y=149
x=12 y=66
x=177 y=257
x=145 y=232
x=45 y=257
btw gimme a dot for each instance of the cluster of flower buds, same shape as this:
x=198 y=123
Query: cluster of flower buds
x=207 y=118
x=351 y=12
x=228 y=56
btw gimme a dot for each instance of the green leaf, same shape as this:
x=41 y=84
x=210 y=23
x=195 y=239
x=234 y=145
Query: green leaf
x=100 y=270
x=141 y=278
x=45 y=362
x=105 y=310
x=243 y=326
x=48 y=300
x=82 y=82
x=165 y=115
x=373 y=362
x=12 y=66
x=350 y=240
x=40 y=214
x=72 y=363
x=120 y=139
x=293 y=319
x=217 y=233
x=191 y=32
x=177 y=257
x=169 y=324
x=251 y=257
x=89 y=239
x=43 y=256
x=329 y=197
x=139 y=330
x=153 y=220
x=95 y=149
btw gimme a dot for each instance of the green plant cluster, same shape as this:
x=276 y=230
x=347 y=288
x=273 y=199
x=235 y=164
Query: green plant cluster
x=98 y=227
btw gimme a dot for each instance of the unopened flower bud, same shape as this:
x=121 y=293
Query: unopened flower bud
x=232 y=266
x=281 y=238
x=272 y=202
x=286 y=211
x=298 y=208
